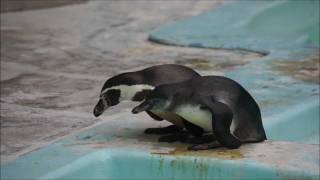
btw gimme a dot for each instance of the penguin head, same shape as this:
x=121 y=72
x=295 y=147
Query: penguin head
x=107 y=99
x=123 y=87
x=157 y=100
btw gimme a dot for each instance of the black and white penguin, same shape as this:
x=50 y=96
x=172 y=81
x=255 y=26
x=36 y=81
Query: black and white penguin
x=214 y=103
x=135 y=86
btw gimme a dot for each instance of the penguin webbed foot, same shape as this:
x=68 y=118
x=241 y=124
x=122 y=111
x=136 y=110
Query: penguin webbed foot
x=180 y=136
x=206 y=146
x=199 y=140
x=186 y=137
x=164 y=130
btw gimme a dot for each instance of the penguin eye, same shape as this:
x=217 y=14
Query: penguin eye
x=102 y=96
x=111 y=97
x=106 y=101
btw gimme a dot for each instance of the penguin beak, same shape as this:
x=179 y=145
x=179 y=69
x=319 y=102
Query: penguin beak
x=99 y=108
x=146 y=105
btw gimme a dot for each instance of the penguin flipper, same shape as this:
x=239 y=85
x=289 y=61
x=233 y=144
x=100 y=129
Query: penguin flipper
x=155 y=117
x=221 y=121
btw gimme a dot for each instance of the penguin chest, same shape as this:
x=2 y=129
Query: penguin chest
x=196 y=115
x=171 y=117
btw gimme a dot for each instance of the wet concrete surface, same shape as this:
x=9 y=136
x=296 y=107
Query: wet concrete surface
x=54 y=62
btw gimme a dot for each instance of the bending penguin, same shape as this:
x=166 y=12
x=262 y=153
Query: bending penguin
x=214 y=103
x=135 y=86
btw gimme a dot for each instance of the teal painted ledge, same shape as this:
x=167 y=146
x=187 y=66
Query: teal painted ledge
x=262 y=26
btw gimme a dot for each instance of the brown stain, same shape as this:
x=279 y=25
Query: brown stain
x=195 y=63
x=140 y=50
x=204 y=64
x=306 y=70
x=272 y=102
x=220 y=153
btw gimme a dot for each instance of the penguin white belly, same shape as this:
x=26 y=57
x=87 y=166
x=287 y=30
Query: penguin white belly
x=195 y=115
x=173 y=118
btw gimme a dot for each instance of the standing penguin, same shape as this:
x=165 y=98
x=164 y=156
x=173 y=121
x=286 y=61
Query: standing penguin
x=135 y=86
x=214 y=103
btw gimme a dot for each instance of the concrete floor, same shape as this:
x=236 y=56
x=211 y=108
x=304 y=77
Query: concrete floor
x=18 y=5
x=54 y=62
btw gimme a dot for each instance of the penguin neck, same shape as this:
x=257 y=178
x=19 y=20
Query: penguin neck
x=132 y=92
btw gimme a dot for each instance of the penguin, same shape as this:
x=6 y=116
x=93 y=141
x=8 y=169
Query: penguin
x=135 y=86
x=217 y=104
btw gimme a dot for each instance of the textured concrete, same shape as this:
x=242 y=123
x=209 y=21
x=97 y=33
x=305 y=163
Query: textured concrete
x=18 y=5
x=54 y=61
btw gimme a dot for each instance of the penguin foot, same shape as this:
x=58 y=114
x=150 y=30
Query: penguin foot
x=164 y=130
x=199 y=147
x=174 y=137
x=199 y=140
